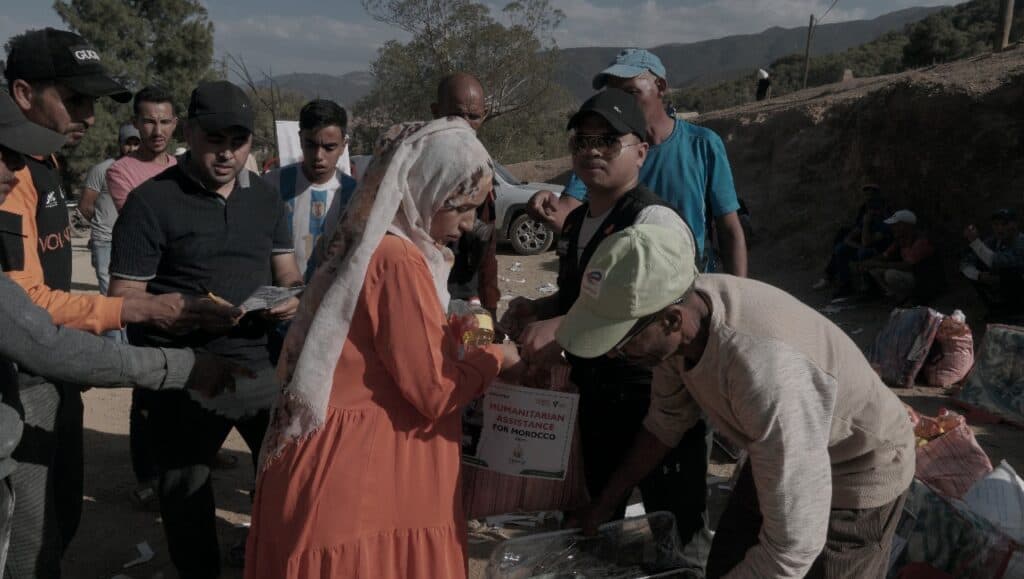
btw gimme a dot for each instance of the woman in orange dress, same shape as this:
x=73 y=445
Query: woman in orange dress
x=360 y=472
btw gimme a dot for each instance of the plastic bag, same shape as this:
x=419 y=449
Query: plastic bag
x=996 y=383
x=952 y=461
x=901 y=348
x=927 y=428
x=999 y=498
x=640 y=547
x=952 y=355
x=948 y=537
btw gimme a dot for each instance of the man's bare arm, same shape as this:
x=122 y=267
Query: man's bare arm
x=733 y=244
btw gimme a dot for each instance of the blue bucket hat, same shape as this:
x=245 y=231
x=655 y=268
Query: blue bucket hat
x=629 y=63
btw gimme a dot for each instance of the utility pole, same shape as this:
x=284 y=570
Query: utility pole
x=1002 y=39
x=807 y=51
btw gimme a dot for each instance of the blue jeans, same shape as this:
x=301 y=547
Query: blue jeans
x=101 y=263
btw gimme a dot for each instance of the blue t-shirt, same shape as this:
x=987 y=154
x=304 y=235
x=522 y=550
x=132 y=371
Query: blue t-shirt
x=689 y=167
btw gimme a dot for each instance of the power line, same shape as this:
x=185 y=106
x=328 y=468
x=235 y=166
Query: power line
x=820 y=20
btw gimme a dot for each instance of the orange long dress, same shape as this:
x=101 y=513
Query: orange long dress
x=375 y=493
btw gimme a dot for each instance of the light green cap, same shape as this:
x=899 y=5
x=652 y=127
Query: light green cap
x=634 y=273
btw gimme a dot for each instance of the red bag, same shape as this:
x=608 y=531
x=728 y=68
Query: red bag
x=953 y=462
x=952 y=355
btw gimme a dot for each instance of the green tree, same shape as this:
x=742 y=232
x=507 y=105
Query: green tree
x=513 y=58
x=141 y=42
x=935 y=40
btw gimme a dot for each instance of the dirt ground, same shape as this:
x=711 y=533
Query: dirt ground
x=112 y=525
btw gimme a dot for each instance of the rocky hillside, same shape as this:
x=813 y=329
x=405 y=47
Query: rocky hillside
x=945 y=141
x=710 y=60
x=345 y=89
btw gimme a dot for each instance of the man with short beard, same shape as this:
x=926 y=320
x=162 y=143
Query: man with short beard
x=156 y=121
x=55 y=78
x=206 y=226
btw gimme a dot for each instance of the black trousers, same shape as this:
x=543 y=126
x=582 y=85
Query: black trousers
x=140 y=439
x=857 y=545
x=186 y=438
x=610 y=418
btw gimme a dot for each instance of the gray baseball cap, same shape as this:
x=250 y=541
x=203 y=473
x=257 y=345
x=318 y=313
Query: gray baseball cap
x=127 y=131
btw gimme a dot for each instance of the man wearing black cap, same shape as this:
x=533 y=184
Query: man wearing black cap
x=607 y=152
x=206 y=226
x=54 y=77
x=686 y=166
x=995 y=266
x=30 y=340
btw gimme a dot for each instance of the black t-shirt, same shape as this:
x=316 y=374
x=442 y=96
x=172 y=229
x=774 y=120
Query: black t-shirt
x=179 y=237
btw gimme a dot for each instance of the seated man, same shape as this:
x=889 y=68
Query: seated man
x=831 y=450
x=895 y=271
x=995 y=266
x=867 y=237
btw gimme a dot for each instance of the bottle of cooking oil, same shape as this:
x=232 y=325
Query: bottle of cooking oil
x=481 y=332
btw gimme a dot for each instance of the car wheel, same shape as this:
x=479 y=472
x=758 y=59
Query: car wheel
x=529 y=236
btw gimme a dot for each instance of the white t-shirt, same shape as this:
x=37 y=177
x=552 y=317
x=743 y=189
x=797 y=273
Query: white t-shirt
x=653 y=215
x=308 y=205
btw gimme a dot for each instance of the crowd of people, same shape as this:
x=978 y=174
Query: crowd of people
x=349 y=393
x=888 y=254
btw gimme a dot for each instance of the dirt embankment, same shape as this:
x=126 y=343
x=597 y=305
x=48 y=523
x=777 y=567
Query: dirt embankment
x=551 y=171
x=946 y=142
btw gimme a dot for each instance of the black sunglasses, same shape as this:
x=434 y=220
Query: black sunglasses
x=609 y=146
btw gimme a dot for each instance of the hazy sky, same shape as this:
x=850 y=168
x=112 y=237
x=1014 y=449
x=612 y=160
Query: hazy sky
x=338 y=36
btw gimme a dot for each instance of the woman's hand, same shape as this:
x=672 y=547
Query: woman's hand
x=513 y=369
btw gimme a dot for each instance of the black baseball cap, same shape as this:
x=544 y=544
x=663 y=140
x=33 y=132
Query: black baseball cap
x=220 y=104
x=65 y=57
x=617 y=107
x=19 y=134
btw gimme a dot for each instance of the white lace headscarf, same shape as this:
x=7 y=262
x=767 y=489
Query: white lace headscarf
x=417 y=169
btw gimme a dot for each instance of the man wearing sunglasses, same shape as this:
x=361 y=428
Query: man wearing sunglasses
x=831 y=449
x=686 y=166
x=607 y=151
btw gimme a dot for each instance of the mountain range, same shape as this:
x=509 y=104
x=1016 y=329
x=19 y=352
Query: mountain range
x=686 y=64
